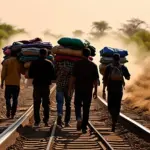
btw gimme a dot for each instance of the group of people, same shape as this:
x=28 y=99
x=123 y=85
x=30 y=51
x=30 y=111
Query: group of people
x=79 y=78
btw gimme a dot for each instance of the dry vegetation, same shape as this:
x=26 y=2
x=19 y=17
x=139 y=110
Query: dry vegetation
x=137 y=95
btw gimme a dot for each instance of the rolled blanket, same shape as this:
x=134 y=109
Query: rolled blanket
x=93 y=50
x=36 y=45
x=28 y=58
x=60 y=50
x=108 y=60
x=69 y=58
x=74 y=43
x=109 y=52
x=30 y=51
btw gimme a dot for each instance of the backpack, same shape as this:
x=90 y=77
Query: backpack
x=116 y=73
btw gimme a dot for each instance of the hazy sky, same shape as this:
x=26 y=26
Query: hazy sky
x=64 y=16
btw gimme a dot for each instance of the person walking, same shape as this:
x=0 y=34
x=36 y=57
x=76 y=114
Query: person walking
x=113 y=79
x=42 y=72
x=11 y=76
x=85 y=77
x=63 y=74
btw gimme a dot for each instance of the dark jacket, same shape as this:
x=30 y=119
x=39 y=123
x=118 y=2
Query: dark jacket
x=42 y=72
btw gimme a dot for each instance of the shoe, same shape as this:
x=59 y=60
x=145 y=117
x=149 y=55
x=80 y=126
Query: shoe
x=8 y=115
x=36 y=124
x=67 y=125
x=59 y=121
x=113 y=128
x=46 y=124
x=79 y=123
x=84 y=131
x=12 y=116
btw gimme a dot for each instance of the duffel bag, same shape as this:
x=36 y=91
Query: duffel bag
x=109 y=52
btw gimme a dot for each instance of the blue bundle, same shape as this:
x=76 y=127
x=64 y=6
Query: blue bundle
x=109 y=52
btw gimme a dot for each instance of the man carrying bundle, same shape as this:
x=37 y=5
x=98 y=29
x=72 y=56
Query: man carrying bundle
x=85 y=76
x=42 y=73
x=11 y=75
x=113 y=79
x=63 y=74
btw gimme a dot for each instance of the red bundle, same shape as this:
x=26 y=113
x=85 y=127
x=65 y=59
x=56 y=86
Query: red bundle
x=65 y=57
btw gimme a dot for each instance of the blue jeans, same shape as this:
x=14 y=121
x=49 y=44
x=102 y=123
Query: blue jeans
x=60 y=95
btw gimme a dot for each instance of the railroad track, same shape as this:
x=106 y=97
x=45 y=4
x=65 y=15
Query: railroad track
x=98 y=137
x=35 y=137
x=132 y=125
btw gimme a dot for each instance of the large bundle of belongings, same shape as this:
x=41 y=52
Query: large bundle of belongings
x=27 y=51
x=107 y=57
x=69 y=51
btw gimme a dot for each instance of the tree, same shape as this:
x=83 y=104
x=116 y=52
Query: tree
x=7 y=30
x=99 y=28
x=48 y=32
x=132 y=26
x=78 y=33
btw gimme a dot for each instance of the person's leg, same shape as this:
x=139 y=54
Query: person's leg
x=36 y=103
x=78 y=105
x=86 y=109
x=8 y=98
x=45 y=103
x=114 y=103
x=15 y=94
x=60 y=102
x=117 y=106
x=68 y=107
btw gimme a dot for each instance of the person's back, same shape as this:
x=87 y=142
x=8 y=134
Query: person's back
x=42 y=72
x=85 y=77
x=11 y=71
x=11 y=75
x=114 y=81
x=86 y=73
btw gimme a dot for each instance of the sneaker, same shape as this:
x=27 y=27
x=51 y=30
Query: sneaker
x=46 y=124
x=12 y=116
x=59 y=121
x=84 y=131
x=36 y=124
x=79 y=123
x=113 y=128
x=8 y=115
x=67 y=125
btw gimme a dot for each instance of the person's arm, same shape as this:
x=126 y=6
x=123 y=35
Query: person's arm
x=126 y=73
x=3 y=73
x=22 y=69
x=105 y=81
x=105 y=78
x=52 y=72
x=71 y=85
x=31 y=71
x=72 y=79
x=96 y=78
